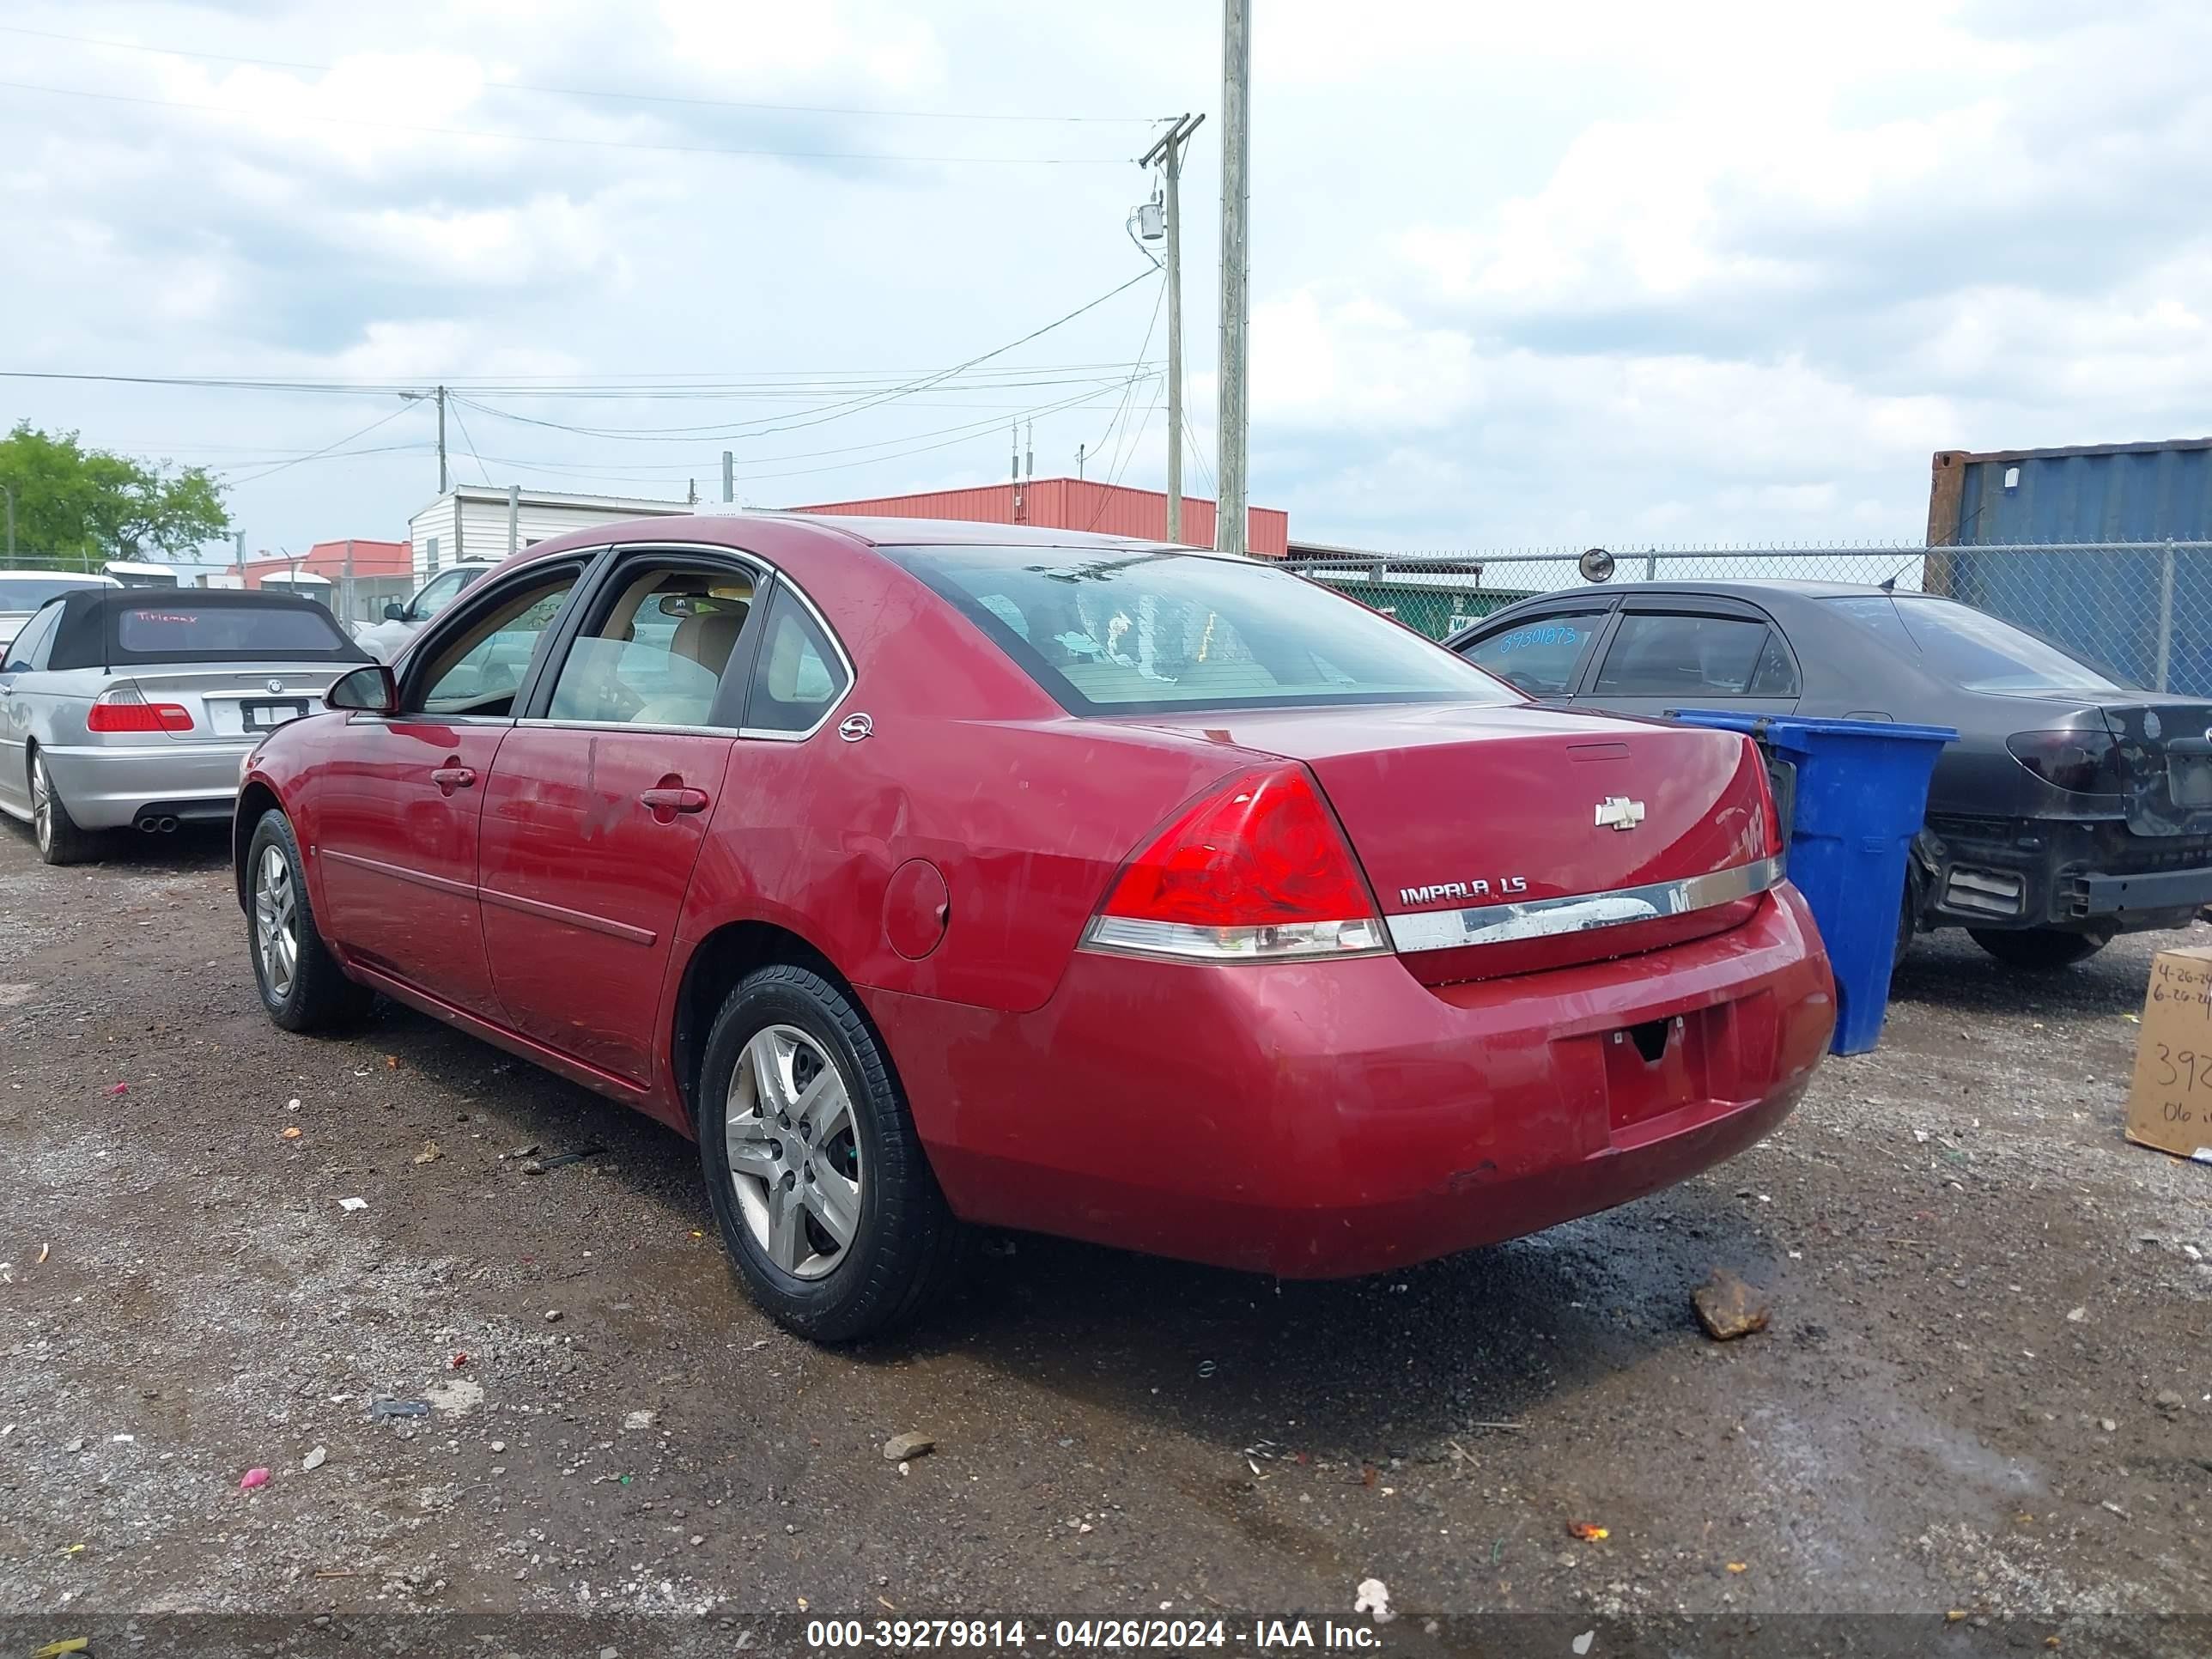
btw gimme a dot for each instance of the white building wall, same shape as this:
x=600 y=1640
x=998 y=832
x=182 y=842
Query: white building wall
x=470 y=523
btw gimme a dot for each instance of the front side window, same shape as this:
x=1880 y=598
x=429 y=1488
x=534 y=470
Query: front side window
x=1971 y=648
x=798 y=676
x=480 y=668
x=1110 y=631
x=1657 y=655
x=1538 y=655
x=437 y=595
x=657 y=654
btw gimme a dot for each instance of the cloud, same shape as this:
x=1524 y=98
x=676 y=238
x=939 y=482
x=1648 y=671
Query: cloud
x=1724 y=272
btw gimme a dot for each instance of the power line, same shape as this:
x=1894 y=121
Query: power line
x=767 y=387
x=852 y=406
x=594 y=92
x=469 y=443
x=577 y=143
x=255 y=477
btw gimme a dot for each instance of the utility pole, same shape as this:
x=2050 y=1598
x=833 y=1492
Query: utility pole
x=442 y=441
x=1168 y=151
x=1229 y=517
x=1078 y=478
x=514 y=519
x=729 y=476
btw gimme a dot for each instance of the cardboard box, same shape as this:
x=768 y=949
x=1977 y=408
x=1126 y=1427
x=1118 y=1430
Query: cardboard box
x=2170 y=1106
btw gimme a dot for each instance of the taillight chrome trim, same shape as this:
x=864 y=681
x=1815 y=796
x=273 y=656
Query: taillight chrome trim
x=1499 y=924
x=1174 y=941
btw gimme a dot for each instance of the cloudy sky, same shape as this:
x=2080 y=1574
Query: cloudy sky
x=1521 y=275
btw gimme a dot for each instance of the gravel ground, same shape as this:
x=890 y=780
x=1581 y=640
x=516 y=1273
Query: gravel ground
x=1980 y=1292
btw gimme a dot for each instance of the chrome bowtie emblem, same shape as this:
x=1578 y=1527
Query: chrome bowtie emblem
x=1619 y=812
x=275 y=685
x=853 y=727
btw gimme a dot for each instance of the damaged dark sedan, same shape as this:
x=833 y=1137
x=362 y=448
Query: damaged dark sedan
x=2072 y=808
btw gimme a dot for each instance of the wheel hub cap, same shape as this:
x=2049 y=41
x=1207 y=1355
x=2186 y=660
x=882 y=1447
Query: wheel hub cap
x=276 y=922
x=794 y=1156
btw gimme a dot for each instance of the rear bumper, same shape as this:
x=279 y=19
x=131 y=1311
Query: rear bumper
x=2042 y=873
x=111 y=788
x=1331 y=1119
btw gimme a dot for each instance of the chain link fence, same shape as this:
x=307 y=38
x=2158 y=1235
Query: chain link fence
x=2140 y=610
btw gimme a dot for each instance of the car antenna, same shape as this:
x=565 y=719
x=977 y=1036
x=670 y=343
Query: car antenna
x=1888 y=584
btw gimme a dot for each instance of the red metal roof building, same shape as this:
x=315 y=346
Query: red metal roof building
x=336 y=561
x=1071 y=504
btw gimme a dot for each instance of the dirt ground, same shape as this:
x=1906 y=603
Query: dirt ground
x=1980 y=1292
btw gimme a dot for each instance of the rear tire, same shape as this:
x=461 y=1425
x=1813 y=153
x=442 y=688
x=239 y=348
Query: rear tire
x=2038 y=950
x=803 y=1135
x=55 y=834
x=302 y=985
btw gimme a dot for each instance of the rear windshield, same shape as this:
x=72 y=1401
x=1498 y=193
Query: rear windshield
x=170 y=627
x=1971 y=648
x=29 y=593
x=1115 y=632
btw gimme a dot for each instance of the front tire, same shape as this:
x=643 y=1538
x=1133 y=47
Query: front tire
x=825 y=1201
x=302 y=985
x=57 y=835
x=2038 y=950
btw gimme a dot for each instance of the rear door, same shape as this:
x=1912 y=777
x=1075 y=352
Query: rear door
x=398 y=805
x=1669 y=652
x=1541 y=651
x=602 y=797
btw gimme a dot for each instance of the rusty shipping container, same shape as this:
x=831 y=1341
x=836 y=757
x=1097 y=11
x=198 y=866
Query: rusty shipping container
x=2146 y=614
x=1071 y=504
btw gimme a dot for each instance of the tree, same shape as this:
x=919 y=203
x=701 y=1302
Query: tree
x=75 y=505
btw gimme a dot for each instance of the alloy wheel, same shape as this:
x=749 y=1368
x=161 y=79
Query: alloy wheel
x=42 y=805
x=275 y=922
x=794 y=1152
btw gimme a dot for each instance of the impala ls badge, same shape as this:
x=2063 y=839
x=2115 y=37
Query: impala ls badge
x=853 y=727
x=1619 y=812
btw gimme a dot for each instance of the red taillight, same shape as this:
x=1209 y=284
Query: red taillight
x=1256 y=869
x=125 y=710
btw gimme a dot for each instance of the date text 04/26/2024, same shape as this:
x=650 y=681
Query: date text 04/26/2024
x=1088 y=1635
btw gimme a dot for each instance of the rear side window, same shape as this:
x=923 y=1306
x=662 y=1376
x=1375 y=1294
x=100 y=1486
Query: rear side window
x=1538 y=655
x=1116 y=631
x=29 y=652
x=1658 y=655
x=1969 y=648
x=798 y=676
x=159 y=629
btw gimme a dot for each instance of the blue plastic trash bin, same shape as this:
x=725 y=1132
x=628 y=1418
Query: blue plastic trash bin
x=1858 y=793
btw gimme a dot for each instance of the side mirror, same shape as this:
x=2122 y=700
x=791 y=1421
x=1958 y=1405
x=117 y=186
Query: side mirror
x=371 y=690
x=394 y=612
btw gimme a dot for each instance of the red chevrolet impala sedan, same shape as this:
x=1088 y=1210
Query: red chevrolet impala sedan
x=939 y=874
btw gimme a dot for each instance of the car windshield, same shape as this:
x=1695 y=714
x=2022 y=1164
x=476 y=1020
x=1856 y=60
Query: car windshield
x=1110 y=631
x=29 y=593
x=156 y=629
x=1971 y=648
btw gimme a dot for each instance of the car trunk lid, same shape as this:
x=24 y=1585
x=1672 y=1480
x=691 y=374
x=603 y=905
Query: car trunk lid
x=229 y=703
x=1473 y=822
x=2165 y=758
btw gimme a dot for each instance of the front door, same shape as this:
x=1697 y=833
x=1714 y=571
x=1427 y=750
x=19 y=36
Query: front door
x=402 y=798
x=601 y=800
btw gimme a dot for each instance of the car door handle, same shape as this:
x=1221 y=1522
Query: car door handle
x=667 y=801
x=450 y=778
